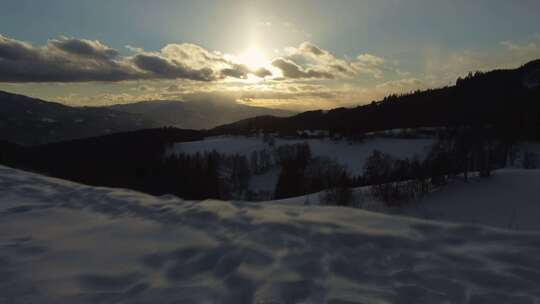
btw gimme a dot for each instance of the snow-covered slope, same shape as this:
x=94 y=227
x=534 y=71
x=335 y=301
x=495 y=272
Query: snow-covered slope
x=62 y=242
x=509 y=199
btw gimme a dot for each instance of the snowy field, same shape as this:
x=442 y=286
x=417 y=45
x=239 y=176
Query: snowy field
x=62 y=242
x=350 y=155
x=509 y=199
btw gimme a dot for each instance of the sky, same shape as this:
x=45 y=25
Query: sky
x=296 y=55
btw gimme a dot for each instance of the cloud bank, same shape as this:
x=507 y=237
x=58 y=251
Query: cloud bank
x=81 y=60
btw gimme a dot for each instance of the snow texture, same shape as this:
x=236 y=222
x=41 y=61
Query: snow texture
x=508 y=199
x=62 y=242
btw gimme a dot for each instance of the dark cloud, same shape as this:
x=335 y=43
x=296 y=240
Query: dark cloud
x=80 y=60
x=262 y=73
x=21 y=62
x=60 y=61
x=236 y=71
x=163 y=68
x=292 y=70
x=85 y=48
x=339 y=68
x=15 y=50
x=242 y=71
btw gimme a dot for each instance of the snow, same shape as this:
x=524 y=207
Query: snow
x=265 y=182
x=350 y=154
x=520 y=150
x=62 y=242
x=508 y=199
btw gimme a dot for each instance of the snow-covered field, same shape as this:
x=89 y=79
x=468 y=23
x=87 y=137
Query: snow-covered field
x=62 y=242
x=509 y=199
x=351 y=155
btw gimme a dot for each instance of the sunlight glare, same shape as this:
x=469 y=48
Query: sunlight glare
x=254 y=58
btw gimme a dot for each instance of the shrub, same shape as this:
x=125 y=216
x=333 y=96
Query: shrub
x=394 y=181
x=378 y=168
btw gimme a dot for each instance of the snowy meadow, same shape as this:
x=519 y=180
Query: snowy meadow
x=63 y=242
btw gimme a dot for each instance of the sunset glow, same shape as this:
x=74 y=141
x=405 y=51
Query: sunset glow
x=254 y=58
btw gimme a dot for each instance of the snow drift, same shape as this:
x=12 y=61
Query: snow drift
x=62 y=242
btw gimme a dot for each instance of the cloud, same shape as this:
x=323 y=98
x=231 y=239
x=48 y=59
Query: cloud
x=60 y=61
x=162 y=68
x=370 y=60
x=81 y=60
x=242 y=71
x=65 y=60
x=236 y=71
x=193 y=55
x=134 y=49
x=84 y=48
x=312 y=55
x=310 y=48
x=16 y=50
x=515 y=47
x=294 y=71
x=400 y=85
x=402 y=73
x=369 y=64
x=262 y=73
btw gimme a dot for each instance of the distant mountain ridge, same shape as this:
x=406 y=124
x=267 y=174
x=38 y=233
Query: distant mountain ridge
x=203 y=114
x=32 y=121
x=507 y=99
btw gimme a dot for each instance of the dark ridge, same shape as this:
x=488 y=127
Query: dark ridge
x=31 y=121
x=507 y=99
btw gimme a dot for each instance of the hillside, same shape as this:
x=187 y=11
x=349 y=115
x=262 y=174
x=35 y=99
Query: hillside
x=31 y=121
x=506 y=99
x=128 y=159
x=506 y=200
x=203 y=114
x=62 y=242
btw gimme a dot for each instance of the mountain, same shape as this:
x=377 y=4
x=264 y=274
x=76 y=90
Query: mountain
x=31 y=121
x=203 y=114
x=506 y=99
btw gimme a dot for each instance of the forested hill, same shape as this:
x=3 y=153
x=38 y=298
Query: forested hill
x=506 y=99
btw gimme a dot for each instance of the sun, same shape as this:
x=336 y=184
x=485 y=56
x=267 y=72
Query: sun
x=254 y=58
